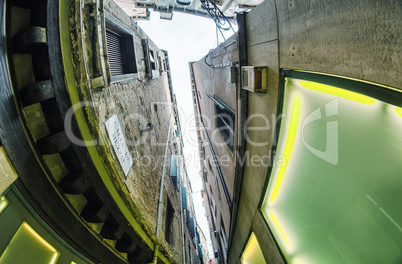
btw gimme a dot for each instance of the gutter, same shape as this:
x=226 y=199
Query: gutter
x=182 y=221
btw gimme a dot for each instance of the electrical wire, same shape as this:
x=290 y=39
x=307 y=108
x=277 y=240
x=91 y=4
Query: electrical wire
x=221 y=21
x=218 y=65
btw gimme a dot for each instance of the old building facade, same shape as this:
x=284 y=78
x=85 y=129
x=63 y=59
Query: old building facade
x=288 y=99
x=91 y=139
x=215 y=103
x=298 y=118
x=203 y=253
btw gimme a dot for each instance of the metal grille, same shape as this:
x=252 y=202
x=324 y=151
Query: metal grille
x=115 y=54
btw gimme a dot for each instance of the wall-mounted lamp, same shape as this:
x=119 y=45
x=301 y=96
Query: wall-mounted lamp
x=149 y=127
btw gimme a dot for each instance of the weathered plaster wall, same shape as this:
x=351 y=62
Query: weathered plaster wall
x=214 y=81
x=137 y=102
x=361 y=40
x=190 y=242
x=262 y=49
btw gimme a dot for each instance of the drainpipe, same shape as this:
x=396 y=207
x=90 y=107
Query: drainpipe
x=182 y=221
x=158 y=222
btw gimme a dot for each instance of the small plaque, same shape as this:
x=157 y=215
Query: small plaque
x=118 y=141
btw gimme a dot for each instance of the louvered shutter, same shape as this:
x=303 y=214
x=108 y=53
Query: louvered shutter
x=114 y=53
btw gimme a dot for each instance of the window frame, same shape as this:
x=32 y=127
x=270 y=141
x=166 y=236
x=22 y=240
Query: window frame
x=212 y=173
x=213 y=204
x=173 y=171
x=223 y=110
x=151 y=55
x=169 y=222
x=127 y=36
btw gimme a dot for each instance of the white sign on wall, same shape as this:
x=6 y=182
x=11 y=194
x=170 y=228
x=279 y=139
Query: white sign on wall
x=118 y=141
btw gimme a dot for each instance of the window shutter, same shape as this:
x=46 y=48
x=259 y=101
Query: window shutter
x=192 y=227
x=115 y=56
x=200 y=253
x=195 y=258
x=173 y=165
x=187 y=218
x=173 y=170
x=184 y=197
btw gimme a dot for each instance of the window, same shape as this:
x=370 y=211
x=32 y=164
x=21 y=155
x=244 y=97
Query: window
x=183 y=198
x=223 y=235
x=168 y=15
x=169 y=222
x=156 y=120
x=191 y=227
x=213 y=205
x=338 y=198
x=120 y=48
x=173 y=170
x=225 y=119
x=190 y=223
x=160 y=63
x=152 y=59
x=174 y=149
x=212 y=173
